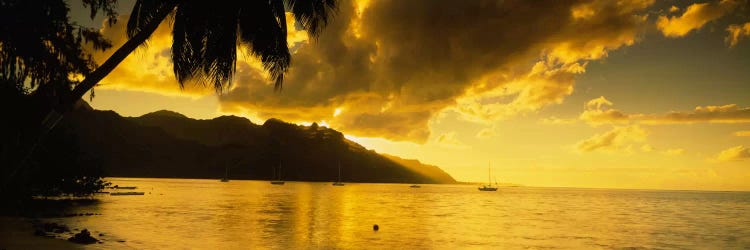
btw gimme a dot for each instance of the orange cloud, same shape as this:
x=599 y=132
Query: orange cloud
x=392 y=76
x=598 y=111
x=730 y=113
x=449 y=140
x=694 y=17
x=737 y=153
x=149 y=68
x=556 y=121
x=617 y=139
x=736 y=33
x=388 y=77
x=486 y=133
x=674 y=152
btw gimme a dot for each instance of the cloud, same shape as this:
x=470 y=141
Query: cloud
x=485 y=60
x=486 y=133
x=449 y=140
x=617 y=139
x=598 y=103
x=736 y=33
x=598 y=111
x=149 y=68
x=557 y=121
x=730 y=113
x=674 y=9
x=742 y=133
x=674 y=152
x=737 y=153
x=647 y=148
x=392 y=66
x=694 y=17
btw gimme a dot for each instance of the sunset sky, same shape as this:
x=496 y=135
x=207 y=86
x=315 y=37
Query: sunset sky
x=597 y=93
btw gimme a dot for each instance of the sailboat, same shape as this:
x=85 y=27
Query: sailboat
x=226 y=175
x=338 y=182
x=278 y=181
x=489 y=186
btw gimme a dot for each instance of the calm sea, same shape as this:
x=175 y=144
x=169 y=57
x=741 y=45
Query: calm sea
x=208 y=214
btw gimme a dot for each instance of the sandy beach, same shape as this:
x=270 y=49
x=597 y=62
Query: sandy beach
x=18 y=233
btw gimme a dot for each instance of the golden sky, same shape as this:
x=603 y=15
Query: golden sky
x=589 y=93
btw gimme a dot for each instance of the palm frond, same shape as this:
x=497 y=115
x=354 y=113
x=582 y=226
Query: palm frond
x=144 y=12
x=220 y=48
x=204 y=43
x=106 y=6
x=263 y=27
x=186 y=42
x=313 y=15
x=206 y=34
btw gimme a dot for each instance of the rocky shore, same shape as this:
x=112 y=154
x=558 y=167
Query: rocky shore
x=18 y=233
x=38 y=224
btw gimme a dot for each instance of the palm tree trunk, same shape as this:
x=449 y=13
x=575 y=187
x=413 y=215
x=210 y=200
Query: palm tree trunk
x=116 y=58
x=56 y=114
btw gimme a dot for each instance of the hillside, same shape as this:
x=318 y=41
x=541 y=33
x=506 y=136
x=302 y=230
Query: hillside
x=432 y=172
x=169 y=144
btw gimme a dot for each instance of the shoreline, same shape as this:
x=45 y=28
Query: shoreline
x=244 y=179
x=467 y=183
x=18 y=233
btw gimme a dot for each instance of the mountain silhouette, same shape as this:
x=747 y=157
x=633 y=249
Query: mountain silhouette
x=170 y=145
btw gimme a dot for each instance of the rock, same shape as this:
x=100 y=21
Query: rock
x=84 y=237
x=101 y=234
x=54 y=228
x=375 y=227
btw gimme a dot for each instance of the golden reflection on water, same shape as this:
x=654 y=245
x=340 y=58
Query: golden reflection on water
x=208 y=214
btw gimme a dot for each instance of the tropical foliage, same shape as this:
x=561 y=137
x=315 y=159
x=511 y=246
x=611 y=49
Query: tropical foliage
x=40 y=49
x=42 y=56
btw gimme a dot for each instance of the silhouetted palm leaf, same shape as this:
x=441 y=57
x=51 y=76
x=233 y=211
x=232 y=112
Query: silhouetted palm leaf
x=205 y=34
x=312 y=15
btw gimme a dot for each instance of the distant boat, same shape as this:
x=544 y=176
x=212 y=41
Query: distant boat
x=122 y=187
x=338 y=182
x=278 y=181
x=489 y=186
x=226 y=175
x=415 y=186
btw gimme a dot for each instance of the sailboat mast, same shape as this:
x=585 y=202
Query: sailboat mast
x=489 y=173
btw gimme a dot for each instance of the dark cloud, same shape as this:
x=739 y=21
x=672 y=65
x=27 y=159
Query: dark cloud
x=385 y=69
x=395 y=65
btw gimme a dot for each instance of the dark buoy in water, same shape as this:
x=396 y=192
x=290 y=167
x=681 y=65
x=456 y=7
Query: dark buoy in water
x=375 y=227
